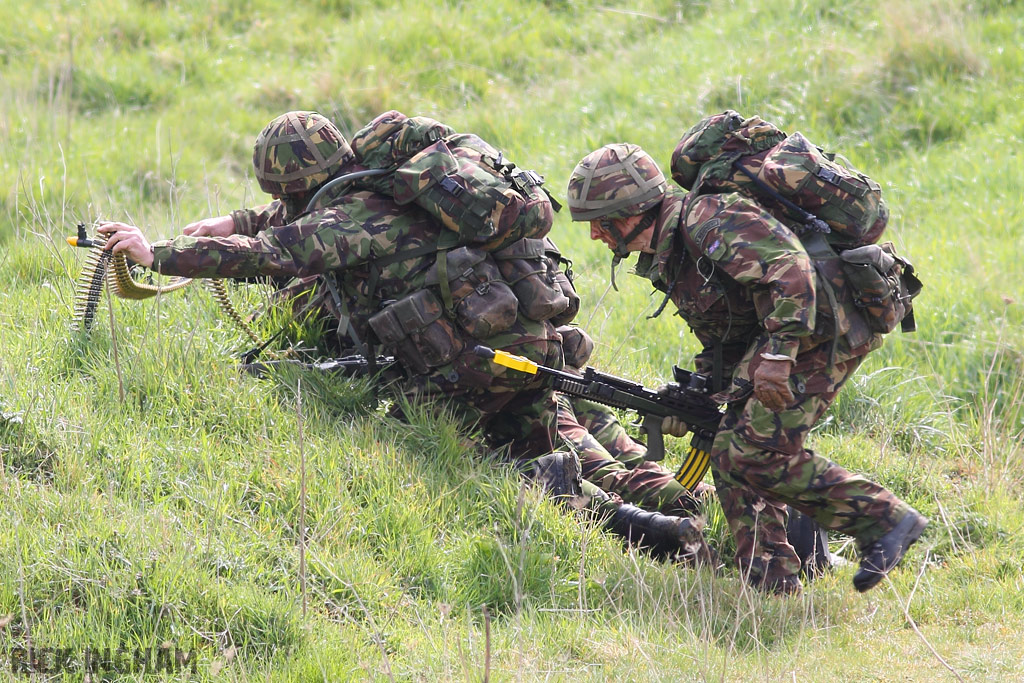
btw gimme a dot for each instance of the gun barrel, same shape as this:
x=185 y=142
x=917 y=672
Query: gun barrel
x=346 y=365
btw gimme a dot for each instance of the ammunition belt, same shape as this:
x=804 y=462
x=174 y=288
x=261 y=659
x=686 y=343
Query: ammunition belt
x=103 y=267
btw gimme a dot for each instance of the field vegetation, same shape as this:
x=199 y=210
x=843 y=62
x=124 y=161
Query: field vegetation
x=151 y=496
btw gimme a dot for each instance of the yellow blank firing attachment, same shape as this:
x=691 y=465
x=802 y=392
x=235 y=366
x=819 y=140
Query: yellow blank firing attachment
x=508 y=360
x=85 y=242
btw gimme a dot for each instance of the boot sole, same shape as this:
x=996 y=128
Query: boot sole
x=866 y=579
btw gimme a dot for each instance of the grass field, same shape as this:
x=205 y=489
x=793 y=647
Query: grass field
x=153 y=498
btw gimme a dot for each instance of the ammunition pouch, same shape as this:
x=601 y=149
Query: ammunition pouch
x=418 y=332
x=525 y=266
x=563 y=279
x=883 y=284
x=481 y=302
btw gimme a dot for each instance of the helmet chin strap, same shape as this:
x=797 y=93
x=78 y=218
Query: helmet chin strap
x=621 y=249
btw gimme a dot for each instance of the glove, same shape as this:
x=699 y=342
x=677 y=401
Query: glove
x=771 y=384
x=674 y=426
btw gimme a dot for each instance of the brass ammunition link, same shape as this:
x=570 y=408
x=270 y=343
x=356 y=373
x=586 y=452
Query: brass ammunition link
x=103 y=266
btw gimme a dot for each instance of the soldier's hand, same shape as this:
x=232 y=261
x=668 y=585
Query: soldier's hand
x=219 y=226
x=674 y=426
x=771 y=384
x=129 y=240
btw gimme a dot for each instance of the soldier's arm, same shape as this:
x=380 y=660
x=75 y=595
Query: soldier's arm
x=250 y=222
x=746 y=243
x=323 y=241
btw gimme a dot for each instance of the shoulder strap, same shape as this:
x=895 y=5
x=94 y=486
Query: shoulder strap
x=810 y=221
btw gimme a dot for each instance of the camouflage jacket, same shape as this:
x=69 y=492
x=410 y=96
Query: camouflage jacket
x=349 y=239
x=344 y=237
x=742 y=279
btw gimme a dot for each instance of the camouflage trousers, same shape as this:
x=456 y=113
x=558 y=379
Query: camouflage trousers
x=614 y=462
x=760 y=465
x=526 y=418
x=512 y=409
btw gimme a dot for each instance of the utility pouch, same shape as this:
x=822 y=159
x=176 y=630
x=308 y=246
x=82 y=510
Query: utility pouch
x=883 y=284
x=526 y=268
x=468 y=186
x=482 y=303
x=455 y=194
x=418 y=332
x=563 y=279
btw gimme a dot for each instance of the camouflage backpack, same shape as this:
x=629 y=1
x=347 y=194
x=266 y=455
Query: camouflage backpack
x=791 y=177
x=458 y=178
x=494 y=262
x=837 y=211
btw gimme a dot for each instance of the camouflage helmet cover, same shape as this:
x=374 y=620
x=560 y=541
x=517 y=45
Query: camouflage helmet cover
x=617 y=181
x=298 y=151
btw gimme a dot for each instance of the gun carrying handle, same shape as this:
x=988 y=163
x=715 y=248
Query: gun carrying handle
x=655 y=440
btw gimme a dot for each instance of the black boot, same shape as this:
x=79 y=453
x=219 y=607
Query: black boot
x=810 y=541
x=662 y=535
x=879 y=558
x=559 y=475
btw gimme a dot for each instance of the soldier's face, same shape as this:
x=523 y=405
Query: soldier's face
x=598 y=232
x=623 y=226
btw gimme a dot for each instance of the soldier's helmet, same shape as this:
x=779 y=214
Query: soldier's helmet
x=298 y=151
x=616 y=181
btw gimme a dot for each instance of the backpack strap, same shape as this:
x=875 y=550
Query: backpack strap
x=345 y=325
x=376 y=264
x=808 y=219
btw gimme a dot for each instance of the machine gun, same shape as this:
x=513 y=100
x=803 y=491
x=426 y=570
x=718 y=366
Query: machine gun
x=348 y=366
x=687 y=398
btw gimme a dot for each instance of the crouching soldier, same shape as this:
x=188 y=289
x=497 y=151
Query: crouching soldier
x=746 y=286
x=383 y=262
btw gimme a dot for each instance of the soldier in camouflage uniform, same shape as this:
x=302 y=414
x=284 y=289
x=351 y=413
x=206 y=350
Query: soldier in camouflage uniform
x=374 y=250
x=745 y=285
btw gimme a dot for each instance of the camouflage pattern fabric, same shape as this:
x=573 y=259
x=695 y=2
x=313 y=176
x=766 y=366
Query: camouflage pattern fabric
x=825 y=185
x=604 y=425
x=392 y=138
x=248 y=222
x=345 y=238
x=616 y=181
x=513 y=409
x=741 y=277
x=468 y=186
x=736 y=275
x=460 y=179
x=721 y=136
x=616 y=463
x=298 y=151
x=759 y=465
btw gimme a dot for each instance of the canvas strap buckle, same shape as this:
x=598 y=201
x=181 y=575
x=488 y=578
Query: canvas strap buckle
x=451 y=187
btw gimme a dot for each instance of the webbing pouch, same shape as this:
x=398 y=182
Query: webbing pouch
x=884 y=285
x=418 y=332
x=524 y=265
x=462 y=193
x=483 y=304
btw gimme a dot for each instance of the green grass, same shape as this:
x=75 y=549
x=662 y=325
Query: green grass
x=151 y=495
